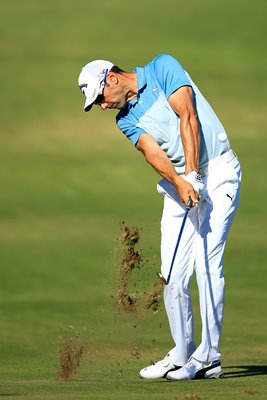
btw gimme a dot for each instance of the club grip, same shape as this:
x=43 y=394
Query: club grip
x=189 y=203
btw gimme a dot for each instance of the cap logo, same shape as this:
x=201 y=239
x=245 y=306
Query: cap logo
x=101 y=73
x=83 y=85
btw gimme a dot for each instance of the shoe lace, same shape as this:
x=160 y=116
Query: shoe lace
x=193 y=362
x=165 y=362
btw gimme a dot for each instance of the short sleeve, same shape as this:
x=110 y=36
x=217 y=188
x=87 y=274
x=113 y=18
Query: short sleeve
x=131 y=131
x=170 y=74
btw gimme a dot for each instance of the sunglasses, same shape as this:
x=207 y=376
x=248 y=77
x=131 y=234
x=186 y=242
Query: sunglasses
x=100 y=97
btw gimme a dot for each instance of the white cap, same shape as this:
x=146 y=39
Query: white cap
x=92 y=80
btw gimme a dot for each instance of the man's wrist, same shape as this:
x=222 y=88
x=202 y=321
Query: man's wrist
x=177 y=180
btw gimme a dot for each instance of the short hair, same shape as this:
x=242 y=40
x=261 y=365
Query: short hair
x=116 y=69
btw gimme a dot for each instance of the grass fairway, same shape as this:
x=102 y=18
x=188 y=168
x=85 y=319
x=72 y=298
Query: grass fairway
x=68 y=180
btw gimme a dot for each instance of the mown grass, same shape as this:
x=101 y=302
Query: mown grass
x=68 y=180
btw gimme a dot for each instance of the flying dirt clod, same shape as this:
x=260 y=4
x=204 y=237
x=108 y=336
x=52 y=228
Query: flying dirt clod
x=131 y=258
x=153 y=300
x=71 y=354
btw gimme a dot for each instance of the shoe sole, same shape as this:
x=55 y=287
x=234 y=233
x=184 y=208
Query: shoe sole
x=161 y=376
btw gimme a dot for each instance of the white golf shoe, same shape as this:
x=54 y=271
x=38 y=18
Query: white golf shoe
x=158 y=370
x=195 y=369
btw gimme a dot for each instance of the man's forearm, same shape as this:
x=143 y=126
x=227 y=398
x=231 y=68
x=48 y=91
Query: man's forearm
x=159 y=160
x=191 y=142
x=183 y=105
x=161 y=163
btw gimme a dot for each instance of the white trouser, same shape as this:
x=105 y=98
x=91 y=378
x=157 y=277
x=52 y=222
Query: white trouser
x=201 y=249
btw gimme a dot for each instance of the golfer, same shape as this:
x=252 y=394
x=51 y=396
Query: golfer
x=166 y=117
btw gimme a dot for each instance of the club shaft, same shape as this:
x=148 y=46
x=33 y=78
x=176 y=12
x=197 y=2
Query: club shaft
x=177 y=244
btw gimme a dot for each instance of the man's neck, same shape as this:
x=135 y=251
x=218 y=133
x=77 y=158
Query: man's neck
x=131 y=85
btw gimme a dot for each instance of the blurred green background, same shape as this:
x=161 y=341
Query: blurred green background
x=68 y=179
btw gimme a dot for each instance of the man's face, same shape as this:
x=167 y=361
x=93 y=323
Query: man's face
x=113 y=94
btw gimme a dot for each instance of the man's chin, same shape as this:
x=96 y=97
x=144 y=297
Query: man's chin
x=121 y=106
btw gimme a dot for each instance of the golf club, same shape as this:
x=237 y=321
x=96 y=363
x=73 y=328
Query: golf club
x=166 y=281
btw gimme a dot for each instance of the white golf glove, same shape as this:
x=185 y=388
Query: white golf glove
x=195 y=179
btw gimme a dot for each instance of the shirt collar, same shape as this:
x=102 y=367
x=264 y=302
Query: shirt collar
x=141 y=79
x=141 y=83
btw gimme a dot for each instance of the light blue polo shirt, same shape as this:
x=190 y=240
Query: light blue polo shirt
x=151 y=113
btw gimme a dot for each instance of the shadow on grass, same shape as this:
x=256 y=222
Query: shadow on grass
x=245 y=370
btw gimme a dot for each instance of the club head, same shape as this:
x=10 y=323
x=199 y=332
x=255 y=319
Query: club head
x=161 y=277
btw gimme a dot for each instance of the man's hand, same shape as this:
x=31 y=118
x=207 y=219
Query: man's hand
x=196 y=181
x=186 y=190
x=190 y=185
x=195 y=189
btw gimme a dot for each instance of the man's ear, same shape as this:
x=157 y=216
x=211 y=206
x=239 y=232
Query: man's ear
x=113 y=78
